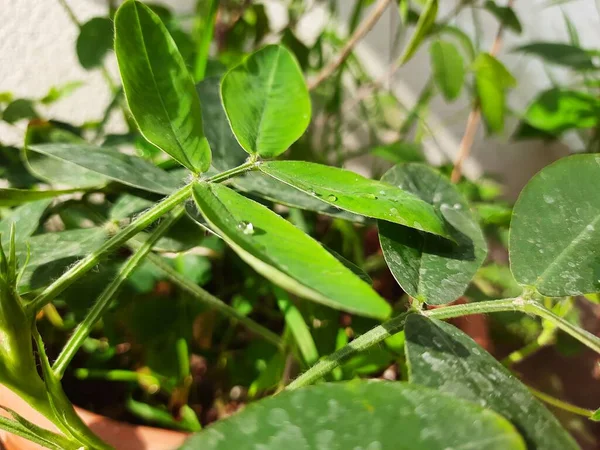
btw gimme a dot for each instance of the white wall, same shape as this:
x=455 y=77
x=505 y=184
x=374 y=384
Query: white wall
x=37 y=51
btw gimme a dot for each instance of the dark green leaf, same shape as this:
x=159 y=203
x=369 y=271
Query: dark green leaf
x=19 y=109
x=430 y=269
x=352 y=192
x=555 y=229
x=159 y=90
x=267 y=101
x=15 y=197
x=558 y=110
x=360 y=415
x=560 y=54
x=128 y=205
x=264 y=186
x=95 y=40
x=505 y=15
x=114 y=165
x=283 y=254
x=226 y=150
x=442 y=357
x=424 y=25
x=399 y=152
x=448 y=68
x=491 y=80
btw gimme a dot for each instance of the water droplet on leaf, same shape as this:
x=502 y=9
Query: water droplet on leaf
x=371 y=196
x=332 y=198
x=246 y=227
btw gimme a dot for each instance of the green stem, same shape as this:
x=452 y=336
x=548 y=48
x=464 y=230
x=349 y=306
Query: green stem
x=557 y=403
x=117 y=375
x=252 y=164
x=104 y=300
x=205 y=297
x=87 y=263
x=389 y=328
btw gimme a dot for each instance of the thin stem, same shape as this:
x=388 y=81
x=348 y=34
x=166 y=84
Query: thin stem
x=205 y=35
x=252 y=164
x=88 y=263
x=557 y=403
x=365 y=26
x=105 y=299
x=474 y=117
x=389 y=328
x=205 y=297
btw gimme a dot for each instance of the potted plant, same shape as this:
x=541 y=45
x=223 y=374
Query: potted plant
x=188 y=282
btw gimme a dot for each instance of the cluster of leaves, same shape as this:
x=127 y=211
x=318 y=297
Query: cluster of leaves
x=250 y=228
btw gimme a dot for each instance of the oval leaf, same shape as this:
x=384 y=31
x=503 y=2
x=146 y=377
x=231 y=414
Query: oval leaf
x=360 y=415
x=283 y=254
x=109 y=162
x=561 y=54
x=448 y=68
x=95 y=40
x=430 y=269
x=352 y=192
x=555 y=229
x=441 y=356
x=505 y=15
x=267 y=101
x=159 y=90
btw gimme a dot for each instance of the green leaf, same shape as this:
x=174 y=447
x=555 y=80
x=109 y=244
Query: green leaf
x=159 y=90
x=463 y=38
x=95 y=40
x=448 y=68
x=19 y=109
x=352 y=192
x=26 y=219
x=596 y=416
x=283 y=254
x=226 y=150
x=557 y=110
x=15 y=197
x=269 y=188
x=399 y=152
x=51 y=253
x=505 y=15
x=555 y=229
x=267 y=101
x=560 y=54
x=112 y=164
x=423 y=27
x=360 y=415
x=431 y=269
x=443 y=357
x=56 y=93
x=297 y=326
x=491 y=80
x=127 y=205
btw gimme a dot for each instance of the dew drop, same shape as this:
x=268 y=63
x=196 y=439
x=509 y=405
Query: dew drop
x=382 y=192
x=548 y=199
x=312 y=192
x=332 y=198
x=371 y=196
x=393 y=211
x=457 y=206
x=246 y=227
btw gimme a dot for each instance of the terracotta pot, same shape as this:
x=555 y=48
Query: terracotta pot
x=120 y=435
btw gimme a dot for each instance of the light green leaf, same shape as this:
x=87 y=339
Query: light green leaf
x=424 y=25
x=56 y=93
x=555 y=229
x=557 y=110
x=159 y=90
x=269 y=188
x=95 y=40
x=112 y=164
x=431 y=269
x=26 y=219
x=51 y=253
x=360 y=415
x=283 y=254
x=560 y=54
x=441 y=356
x=399 y=152
x=267 y=101
x=297 y=326
x=491 y=80
x=352 y=192
x=596 y=416
x=15 y=197
x=463 y=38
x=505 y=15
x=448 y=68
x=226 y=150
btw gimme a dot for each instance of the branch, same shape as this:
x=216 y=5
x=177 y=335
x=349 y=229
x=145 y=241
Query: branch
x=474 y=117
x=365 y=26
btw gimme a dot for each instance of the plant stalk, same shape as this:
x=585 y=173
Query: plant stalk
x=87 y=263
x=104 y=300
